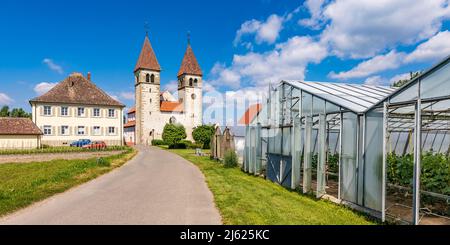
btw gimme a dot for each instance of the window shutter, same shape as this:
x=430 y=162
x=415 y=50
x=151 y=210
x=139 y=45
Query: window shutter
x=86 y=132
x=116 y=131
x=54 y=130
x=102 y=131
x=53 y=110
x=41 y=110
x=60 y=130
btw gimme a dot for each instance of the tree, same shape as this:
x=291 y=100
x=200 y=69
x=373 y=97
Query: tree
x=203 y=135
x=4 y=112
x=16 y=112
x=173 y=133
x=402 y=82
x=19 y=112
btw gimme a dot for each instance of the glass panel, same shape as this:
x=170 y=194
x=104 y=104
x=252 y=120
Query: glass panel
x=406 y=95
x=349 y=158
x=436 y=84
x=321 y=156
x=286 y=141
x=373 y=160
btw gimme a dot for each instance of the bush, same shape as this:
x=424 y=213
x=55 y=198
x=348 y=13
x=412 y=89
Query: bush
x=188 y=143
x=158 y=142
x=230 y=159
x=203 y=134
x=178 y=146
x=173 y=133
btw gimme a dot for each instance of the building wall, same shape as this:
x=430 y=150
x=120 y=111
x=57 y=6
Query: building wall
x=129 y=135
x=147 y=104
x=72 y=120
x=150 y=121
x=19 y=141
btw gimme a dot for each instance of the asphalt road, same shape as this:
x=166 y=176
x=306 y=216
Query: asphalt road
x=156 y=187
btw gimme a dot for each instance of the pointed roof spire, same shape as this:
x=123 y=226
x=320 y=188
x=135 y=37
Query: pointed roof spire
x=189 y=65
x=147 y=58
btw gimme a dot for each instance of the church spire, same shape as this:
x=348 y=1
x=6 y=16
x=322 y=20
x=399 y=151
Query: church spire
x=189 y=65
x=147 y=58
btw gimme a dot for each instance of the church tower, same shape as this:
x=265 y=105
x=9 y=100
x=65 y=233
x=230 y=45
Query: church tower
x=190 y=88
x=147 y=92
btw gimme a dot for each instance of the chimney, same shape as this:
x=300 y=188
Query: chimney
x=89 y=76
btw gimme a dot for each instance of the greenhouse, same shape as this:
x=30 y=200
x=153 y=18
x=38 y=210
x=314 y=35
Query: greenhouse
x=381 y=150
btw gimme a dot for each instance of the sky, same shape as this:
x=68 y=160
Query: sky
x=241 y=46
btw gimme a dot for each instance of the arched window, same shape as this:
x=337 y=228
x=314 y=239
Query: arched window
x=147 y=78
x=195 y=82
x=153 y=78
x=173 y=120
x=190 y=82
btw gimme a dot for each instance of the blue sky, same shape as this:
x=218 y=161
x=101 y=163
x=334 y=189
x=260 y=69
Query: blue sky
x=240 y=45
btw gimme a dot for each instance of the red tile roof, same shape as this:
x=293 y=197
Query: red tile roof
x=147 y=58
x=189 y=65
x=18 y=126
x=132 y=110
x=167 y=106
x=250 y=114
x=76 y=89
x=130 y=124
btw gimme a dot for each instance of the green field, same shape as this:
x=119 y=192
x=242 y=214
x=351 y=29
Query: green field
x=22 y=184
x=60 y=149
x=248 y=200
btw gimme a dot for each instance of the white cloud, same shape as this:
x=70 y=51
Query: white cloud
x=53 y=66
x=315 y=8
x=376 y=64
x=5 y=99
x=362 y=28
x=287 y=60
x=376 y=81
x=267 y=31
x=44 y=87
x=434 y=49
x=127 y=95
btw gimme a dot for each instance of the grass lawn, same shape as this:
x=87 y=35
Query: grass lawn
x=59 y=149
x=248 y=200
x=22 y=184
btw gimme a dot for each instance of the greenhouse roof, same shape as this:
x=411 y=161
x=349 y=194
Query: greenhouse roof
x=355 y=97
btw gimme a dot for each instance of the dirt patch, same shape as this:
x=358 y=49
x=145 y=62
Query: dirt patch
x=43 y=157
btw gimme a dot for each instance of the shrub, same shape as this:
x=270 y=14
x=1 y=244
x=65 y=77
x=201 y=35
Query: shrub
x=230 y=159
x=158 y=142
x=203 y=135
x=188 y=143
x=173 y=133
x=178 y=146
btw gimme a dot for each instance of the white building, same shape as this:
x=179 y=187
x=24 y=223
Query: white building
x=155 y=109
x=129 y=129
x=19 y=133
x=77 y=109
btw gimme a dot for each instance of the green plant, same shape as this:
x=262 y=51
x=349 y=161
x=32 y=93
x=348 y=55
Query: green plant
x=173 y=133
x=230 y=159
x=158 y=142
x=203 y=135
x=178 y=146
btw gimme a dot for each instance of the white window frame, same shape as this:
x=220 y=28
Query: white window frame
x=47 y=130
x=94 y=114
x=113 y=131
x=47 y=112
x=81 y=127
x=94 y=131
x=66 y=110
x=64 y=130
x=78 y=111
x=113 y=113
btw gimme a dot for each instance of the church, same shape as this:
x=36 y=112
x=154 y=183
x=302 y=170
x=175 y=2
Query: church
x=155 y=108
